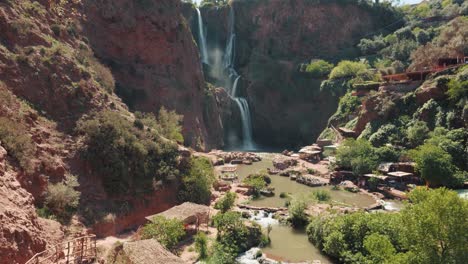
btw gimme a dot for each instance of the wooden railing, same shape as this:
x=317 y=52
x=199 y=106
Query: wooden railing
x=79 y=250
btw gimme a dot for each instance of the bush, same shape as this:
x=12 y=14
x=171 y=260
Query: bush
x=168 y=123
x=130 y=160
x=387 y=154
x=359 y=155
x=234 y=236
x=225 y=204
x=256 y=182
x=457 y=89
x=348 y=69
x=18 y=144
x=61 y=199
x=201 y=245
x=322 y=195
x=372 y=46
x=417 y=133
x=319 y=68
x=297 y=215
x=453 y=142
x=386 y=134
x=197 y=181
x=168 y=232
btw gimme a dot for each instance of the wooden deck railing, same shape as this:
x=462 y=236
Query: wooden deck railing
x=79 y=250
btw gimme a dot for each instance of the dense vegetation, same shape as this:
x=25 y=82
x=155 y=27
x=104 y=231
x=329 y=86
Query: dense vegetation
x=197 y=180
x=428 y=230
x=235 y=235
x=168 y=232
x=61 y=200
x=432 y=133
x=130 y=158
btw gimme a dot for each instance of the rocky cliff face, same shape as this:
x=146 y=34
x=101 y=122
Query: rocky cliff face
x=151 y=51
x=272 y=39
x=50 y=78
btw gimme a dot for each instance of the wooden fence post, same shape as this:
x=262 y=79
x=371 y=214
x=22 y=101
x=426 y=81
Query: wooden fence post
x=68 y=252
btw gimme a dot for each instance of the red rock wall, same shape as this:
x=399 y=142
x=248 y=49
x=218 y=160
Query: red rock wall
x=141 y=208
x=153 y=57
x=22 y=233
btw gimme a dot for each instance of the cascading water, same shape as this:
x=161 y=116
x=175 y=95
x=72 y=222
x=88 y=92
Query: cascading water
x=202 y=38
x=242 y=103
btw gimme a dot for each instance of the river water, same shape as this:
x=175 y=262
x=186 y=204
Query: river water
x=284 y=184
x=289 y=244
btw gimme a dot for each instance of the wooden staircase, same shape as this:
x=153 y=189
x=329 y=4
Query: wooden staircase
x=81 y=250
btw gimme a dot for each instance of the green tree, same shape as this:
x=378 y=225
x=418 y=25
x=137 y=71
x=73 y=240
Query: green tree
x=379 y=247
x=129 y=159
x=226 y=202
x=417 y=133
x=197 y=181
x=168 y=232
x=359 y=155
x=434 y=225
x=234 y=234
x=434 y=165
x=256 y=182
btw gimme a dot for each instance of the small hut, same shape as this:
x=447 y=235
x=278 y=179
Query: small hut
x=188 y=213
x=149 y=251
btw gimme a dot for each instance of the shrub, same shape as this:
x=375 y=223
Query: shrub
x=101 y=73
x=358 y=155
x=225 y=204
x=197 y=181
x=322 y=195
x=457 y=89
x=61 y=199
x=297 y=215
x=386 y=134
x=167 y=123
x=348 y=69
x=371 y=46
x=453 y=142
x=234 y=235
x=417 y=133
x=201 y=245
x=130 y=160
x=319 y=68
x=404 y=33
x=18 y=144
x=56 y=29
x=256 y=182
x=168 y=232
x=423 y=37
x=387 y=154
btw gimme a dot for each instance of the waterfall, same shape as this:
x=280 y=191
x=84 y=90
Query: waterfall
x=234 y=87
x=246 y=122
x=241 y=103
x=230 y=48
x=202 y=38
